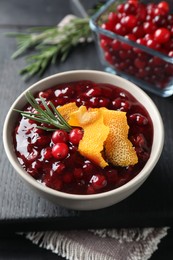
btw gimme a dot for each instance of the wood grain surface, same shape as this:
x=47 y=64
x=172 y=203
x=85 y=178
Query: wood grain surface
x=20 y=208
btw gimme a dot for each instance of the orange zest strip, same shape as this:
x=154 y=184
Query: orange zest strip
x=67 y=109
x=105 y=138
x=118 y=148
x=95 y=133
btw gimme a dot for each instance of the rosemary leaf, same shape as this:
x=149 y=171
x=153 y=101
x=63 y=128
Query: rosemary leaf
x=45 y=116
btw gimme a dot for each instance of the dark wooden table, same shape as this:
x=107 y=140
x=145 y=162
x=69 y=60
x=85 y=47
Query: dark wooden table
x=20 y=209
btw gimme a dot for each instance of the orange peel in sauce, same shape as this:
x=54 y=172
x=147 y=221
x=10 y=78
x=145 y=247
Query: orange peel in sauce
x=67 y=109
x=105 y=138
x=95 y=133
x=118 y=148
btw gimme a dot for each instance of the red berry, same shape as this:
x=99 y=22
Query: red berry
x=60 y=136
x=153 y=44
x=60 y=151
x=139 y=63
x=120 y=29
x=93 y=92
x=164 y=6
x=103 y=102
x=58 y=167
x=139 y=119
x=138 y=31
x=104 y=44
x=75 y=136
x=67 y=177
x=162 y=35
x=78 y=173
x=47 y=153
x=98 y=181
x=112 y=176
x=130 y=21
x=129 y=8
x=170 y=54
x=149 y=27
x=115 y=45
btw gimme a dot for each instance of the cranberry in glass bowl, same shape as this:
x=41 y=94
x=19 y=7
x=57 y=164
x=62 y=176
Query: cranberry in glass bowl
x=50 y=161
x=135 y=40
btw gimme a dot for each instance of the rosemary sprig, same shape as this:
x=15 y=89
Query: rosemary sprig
x=46 y=116
x=50 y=44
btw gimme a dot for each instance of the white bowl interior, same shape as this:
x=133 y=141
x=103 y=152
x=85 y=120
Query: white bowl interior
x=93 y=201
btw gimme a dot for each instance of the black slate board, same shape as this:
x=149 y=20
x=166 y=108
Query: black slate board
x=20 y=208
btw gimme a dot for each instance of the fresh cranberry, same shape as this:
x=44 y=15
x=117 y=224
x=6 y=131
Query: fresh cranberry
x=141 y=12
x=153 y=44
x=164 y=7
x=170 y=54
x=138 y=32
x=139 y=63
x=75 y=136
x=130 y=21
x=113 y=18
x=149 y=27
x=129 y=8
x=160 y=20
x=60 y=136
x=60 y=151
x=120 y=8
x=108 y=57
x=115 y=45
x=120 y=29
x=104 y=44
x=162 y=35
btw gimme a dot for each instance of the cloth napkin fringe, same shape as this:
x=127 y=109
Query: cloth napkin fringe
x=64 y=247
x=101 y=244
x=149 y=245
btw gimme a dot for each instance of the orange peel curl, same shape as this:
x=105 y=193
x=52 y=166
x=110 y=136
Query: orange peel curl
x=105 y=136
x=95 y=133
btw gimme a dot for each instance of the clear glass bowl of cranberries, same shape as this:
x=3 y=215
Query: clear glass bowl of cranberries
x=50 y=161
x=135 y=40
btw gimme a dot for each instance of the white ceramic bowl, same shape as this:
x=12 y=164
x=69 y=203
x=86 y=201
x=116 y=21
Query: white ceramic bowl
x=96 y=201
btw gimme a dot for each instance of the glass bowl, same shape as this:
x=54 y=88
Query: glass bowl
x=146 y=67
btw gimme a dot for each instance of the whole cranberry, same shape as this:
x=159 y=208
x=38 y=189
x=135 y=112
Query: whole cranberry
x=162 y=35
x=60 y=136
x=98 y=181
x=164 y=7
x=75 y=136
x=60 y=151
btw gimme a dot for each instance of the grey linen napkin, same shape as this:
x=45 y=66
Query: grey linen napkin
x=103 y=244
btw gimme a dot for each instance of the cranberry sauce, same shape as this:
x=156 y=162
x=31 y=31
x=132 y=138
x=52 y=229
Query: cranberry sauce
x=52 y=158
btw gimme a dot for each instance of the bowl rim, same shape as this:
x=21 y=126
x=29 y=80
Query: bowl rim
x=96 y=28
x=140 y=177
